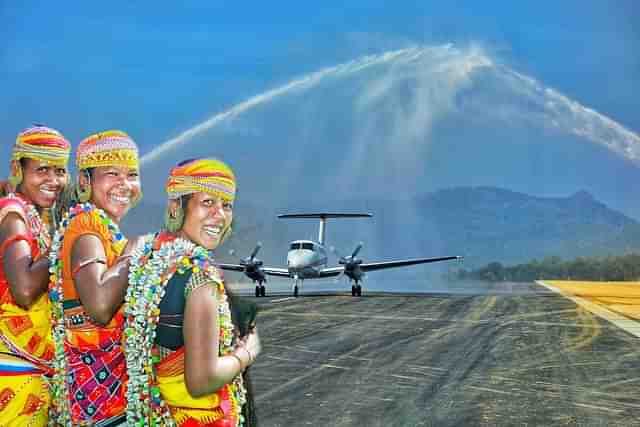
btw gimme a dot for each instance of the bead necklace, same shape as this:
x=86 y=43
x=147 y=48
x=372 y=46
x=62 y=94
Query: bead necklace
x=37 y=227
x=150 y=270
x=61 y=414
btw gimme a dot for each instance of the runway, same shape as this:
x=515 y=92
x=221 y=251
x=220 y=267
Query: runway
x=529 y=357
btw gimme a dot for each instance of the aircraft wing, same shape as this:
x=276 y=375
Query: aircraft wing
x=273 y=271
x=231 y=267
x=371 y=266
x=270 y=271
x=330 y=272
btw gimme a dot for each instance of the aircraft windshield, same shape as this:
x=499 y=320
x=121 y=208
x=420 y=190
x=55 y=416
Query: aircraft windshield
x=295 y=246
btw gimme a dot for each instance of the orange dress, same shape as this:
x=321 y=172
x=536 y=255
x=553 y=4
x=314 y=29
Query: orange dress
x=94 y=356
x=25 y=335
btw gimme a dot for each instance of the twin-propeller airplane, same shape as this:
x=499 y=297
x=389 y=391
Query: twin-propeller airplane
x=307 y=259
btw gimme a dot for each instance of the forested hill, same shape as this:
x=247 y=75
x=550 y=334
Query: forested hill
x=484 y=224
x=494 y=224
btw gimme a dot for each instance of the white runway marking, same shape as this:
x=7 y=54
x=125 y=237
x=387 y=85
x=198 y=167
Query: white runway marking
x=282 y=299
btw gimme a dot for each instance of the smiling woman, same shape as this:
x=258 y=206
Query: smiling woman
x=179 y=324
x=88 y=282
x=38 y=177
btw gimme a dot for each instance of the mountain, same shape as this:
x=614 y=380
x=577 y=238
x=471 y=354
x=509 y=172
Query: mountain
x=482 y=223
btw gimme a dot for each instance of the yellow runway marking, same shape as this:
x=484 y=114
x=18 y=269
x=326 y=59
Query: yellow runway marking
x=593 y=299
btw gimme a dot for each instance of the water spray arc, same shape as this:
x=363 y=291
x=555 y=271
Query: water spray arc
x=553 y=109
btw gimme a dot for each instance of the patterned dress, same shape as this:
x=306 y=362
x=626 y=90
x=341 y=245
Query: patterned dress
x=168 y=269
x=94 y=365
x=25 y=335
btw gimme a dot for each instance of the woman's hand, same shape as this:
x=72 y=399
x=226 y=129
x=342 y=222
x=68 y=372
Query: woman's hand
x=251 y=343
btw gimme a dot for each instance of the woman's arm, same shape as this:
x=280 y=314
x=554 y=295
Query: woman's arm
x=205 y=371
x=101 y=289
x=28 y=279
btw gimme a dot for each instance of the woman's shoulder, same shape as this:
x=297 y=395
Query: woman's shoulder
x=12 y=204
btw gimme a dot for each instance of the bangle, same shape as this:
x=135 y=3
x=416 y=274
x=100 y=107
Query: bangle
x=248 y=354
x=238 y=359
x=88 y=262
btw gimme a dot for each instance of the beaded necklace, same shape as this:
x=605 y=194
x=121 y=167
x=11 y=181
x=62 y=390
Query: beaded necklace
x=59 y=390
x=150 y=270
x=37 y=227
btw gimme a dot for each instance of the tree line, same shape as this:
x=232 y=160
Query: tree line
x=610 y=268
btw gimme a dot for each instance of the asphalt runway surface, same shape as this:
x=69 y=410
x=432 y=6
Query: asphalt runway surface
x=524 y=358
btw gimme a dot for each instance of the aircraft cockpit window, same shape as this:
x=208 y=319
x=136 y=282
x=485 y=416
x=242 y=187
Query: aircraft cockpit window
x=307 y=246
x=294 y=246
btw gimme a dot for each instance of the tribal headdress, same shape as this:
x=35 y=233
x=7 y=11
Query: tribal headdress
x=194 y=176
x=202 y=175
x=109 y=148
x=39 y=143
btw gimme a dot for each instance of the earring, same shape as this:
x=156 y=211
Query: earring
x=84 y=191
x=173 y=220
x=226 y=233
x=16 y=175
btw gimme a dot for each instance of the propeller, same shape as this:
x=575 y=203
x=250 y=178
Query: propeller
x=252 y=266
x=350 y=262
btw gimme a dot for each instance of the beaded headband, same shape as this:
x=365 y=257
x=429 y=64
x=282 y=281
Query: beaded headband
x=202 y=175
x=42 y=143
x=109 y=148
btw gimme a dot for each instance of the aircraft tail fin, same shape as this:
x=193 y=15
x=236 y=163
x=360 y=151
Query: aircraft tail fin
x=323 y=219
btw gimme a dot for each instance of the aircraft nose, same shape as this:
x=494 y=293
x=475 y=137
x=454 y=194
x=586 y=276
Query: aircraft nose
x=295 y=261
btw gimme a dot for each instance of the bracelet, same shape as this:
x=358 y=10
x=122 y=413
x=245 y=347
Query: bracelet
x=251 y=359
x=87 y=262
x=232 y=354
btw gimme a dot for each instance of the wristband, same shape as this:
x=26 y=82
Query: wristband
x=238 y=359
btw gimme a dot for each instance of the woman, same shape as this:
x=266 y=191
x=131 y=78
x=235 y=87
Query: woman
x=38 y=177
x=185 y=360
x=88 y=284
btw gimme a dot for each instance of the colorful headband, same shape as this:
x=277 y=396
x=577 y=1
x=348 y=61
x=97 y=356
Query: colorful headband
x=44 y=144
x=202 y=175
x=109 y=148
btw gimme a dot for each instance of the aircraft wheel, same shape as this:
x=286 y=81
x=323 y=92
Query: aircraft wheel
x=295 y=291
x=353 y=291
x=257 y=291
x=359 y=290
x=263 y=291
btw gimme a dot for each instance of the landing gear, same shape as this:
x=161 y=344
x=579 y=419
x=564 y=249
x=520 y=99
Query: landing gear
x=261 y=291
x=295 y=286
x=356 y=290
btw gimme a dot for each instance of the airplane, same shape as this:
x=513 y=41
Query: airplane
x=307 y=259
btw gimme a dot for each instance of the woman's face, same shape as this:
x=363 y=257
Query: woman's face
x=114 y=189
x=42 y=182
x=207 y=219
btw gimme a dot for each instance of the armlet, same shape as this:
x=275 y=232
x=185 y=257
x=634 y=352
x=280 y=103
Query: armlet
x=11 y=240
x=198 y=280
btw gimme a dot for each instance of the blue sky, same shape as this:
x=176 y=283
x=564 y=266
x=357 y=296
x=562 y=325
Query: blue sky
x=156 y=70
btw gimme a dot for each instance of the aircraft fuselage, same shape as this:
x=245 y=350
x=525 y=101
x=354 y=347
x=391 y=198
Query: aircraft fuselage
x=305 y=259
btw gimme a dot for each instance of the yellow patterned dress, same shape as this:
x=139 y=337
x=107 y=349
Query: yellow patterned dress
x=26 y=346
x=162 y=264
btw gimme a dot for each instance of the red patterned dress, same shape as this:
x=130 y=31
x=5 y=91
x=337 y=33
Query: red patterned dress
x=26 y=344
